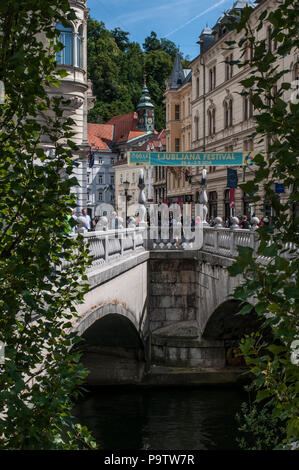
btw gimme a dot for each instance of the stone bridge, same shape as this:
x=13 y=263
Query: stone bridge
x=160 y=306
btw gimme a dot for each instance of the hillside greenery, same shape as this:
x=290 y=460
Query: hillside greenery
x=116 y=67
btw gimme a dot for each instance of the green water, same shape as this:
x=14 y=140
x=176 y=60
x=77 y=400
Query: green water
x=166 y=419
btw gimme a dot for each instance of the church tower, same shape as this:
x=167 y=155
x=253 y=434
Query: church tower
x=145 y=110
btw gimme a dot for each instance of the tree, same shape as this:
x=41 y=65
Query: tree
x=116 y=67
x=273 y=283
x=151 y=43
x=41 y=267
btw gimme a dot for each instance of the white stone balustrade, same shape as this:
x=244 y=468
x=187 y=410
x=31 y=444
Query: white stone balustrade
x=107 y=246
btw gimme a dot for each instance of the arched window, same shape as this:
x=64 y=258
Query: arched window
x=212 y=121
x=196 y=127
x=79 y=47
x=225 y=105
x=66 y=56
x=197 y=87
x=228 y=113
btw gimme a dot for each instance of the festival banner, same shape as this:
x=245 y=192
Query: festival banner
x=190 y=158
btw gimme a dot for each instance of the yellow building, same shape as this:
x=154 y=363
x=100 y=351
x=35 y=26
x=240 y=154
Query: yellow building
x=221 y=118
x=178 y=130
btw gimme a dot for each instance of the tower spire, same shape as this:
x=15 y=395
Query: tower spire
x=145 y=110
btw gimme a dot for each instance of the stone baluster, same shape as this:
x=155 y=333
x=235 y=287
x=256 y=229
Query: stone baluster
x=234 y=226
x=203 y=198
x=141 y=199
x=218 y=222
x=255 y=221
x=102 y=224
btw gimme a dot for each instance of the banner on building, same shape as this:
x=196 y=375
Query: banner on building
x=190 y=158
x=232 y=203
x=232 y=178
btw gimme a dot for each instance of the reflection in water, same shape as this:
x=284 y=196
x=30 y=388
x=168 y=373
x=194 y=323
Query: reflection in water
x=173 y=419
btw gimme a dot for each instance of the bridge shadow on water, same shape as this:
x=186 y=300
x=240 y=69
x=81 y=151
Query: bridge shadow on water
x=168 y=418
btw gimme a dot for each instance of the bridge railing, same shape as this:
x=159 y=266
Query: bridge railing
x=107 y=246
x=224 y=241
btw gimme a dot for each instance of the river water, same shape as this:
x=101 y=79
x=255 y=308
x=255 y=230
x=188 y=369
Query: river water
x=165 y=419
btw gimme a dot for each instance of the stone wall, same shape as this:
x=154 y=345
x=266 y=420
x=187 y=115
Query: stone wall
x=172 y=291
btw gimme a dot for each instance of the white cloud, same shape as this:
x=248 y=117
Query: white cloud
x=156 y=11
x=195 y=17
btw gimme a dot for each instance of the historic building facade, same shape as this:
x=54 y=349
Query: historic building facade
x=100 y=170
x=76 y=89
x=178 y=98
x=221 y=117
x=123 y=133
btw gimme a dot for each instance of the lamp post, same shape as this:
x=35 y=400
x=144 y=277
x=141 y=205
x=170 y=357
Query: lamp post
x=126 y=187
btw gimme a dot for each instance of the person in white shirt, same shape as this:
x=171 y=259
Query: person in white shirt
x=87 y=219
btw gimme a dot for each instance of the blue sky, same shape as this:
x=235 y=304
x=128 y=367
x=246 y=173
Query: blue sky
x=181 y=21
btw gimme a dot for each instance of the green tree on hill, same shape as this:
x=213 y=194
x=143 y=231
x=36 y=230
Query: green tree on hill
x=116 y=67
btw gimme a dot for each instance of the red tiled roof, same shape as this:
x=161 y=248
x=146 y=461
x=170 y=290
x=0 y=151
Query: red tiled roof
x=100 y=135
x=134 y=134
x=125 y=125
x=156 y=141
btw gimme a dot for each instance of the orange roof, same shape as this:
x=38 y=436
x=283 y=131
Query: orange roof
x=158 y=141
x=100 y=136
x=125 y=127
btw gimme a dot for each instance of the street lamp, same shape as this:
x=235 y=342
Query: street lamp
x=126 y=185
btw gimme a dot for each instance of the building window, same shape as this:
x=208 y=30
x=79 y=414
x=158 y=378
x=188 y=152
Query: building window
x=248 y=145
x=249 y=52
x=100 y=161
x=88 y=195
x=79 y=47
x=66 y=37
x=197 y=87
x=247 y=205
x=177 y=145
x=100 y=196
x=133 y=195
x=196 y=127
x=229 y=67
x=177 y=112
x=100 y=179
x=111 y=179
x=121 y=178
x=183 y=147
x=88 y=178
x=189 y=107
x=183 y=109
x=212 y=78
x=226 y=204
x=228 y=113
x=112 y=161
x=212 y=121
x=133 y=177
x=213 y=203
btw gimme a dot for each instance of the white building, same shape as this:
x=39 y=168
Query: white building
x=75 y=88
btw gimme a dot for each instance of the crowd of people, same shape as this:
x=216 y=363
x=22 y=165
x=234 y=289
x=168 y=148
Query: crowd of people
x=114 y=222
x=243 y=223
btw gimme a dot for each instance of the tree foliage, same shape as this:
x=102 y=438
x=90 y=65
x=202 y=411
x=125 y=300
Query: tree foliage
x=41 y=267
x=272 y=276
x=116 y=67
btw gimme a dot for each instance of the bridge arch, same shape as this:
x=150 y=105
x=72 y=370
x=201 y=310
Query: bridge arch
x=113 y=349
x=224 y=323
